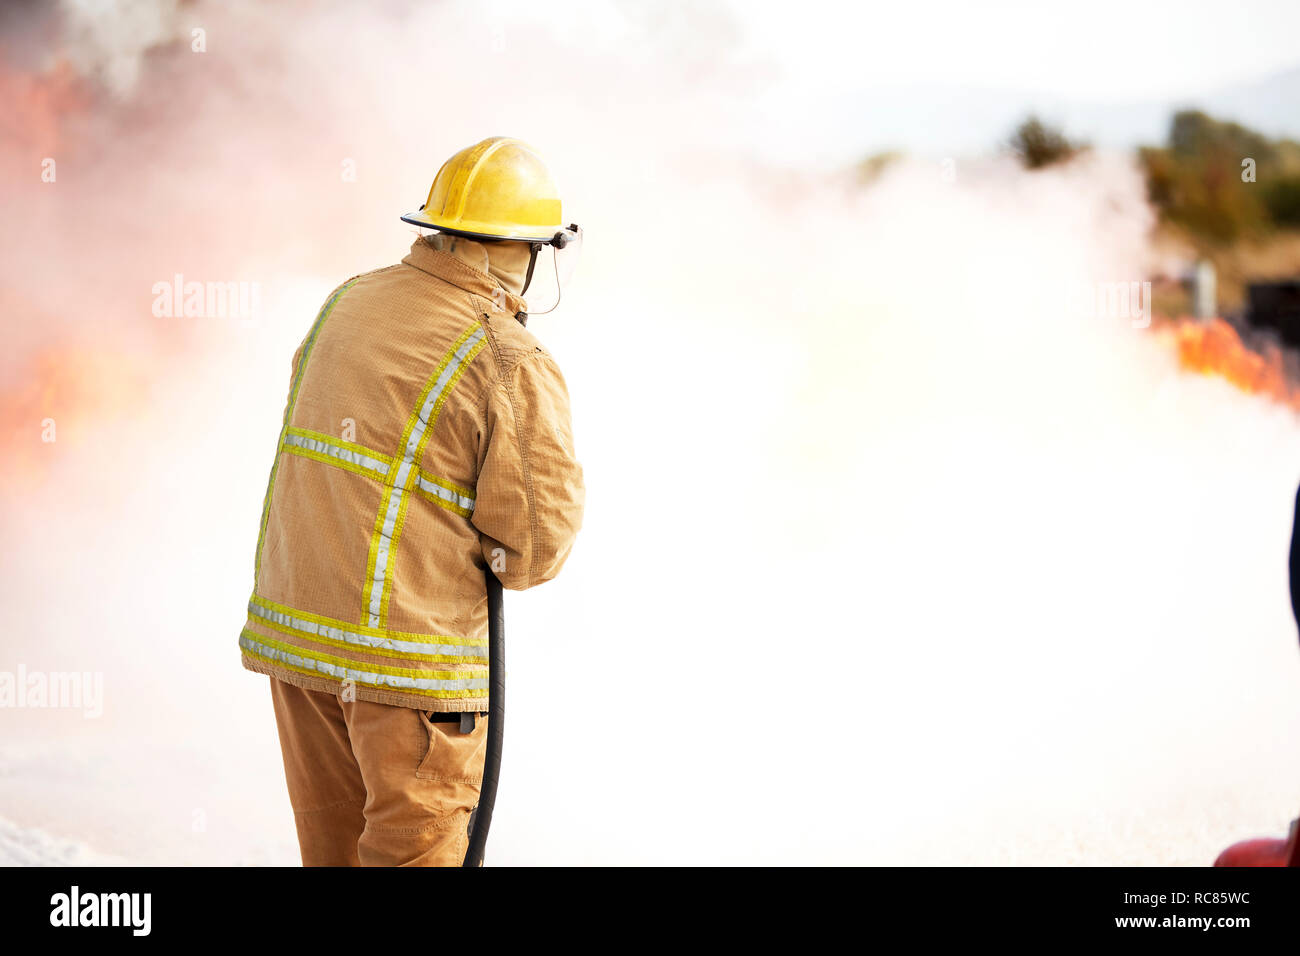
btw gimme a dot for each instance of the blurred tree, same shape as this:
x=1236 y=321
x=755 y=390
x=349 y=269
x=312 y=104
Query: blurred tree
x=870 y=168
x=1196 y=179
x=1282 y=200
x=1195 y=134
x=1037 y=145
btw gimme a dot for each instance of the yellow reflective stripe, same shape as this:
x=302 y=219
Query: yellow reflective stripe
x=470 y=655
x=450 y=486
x=425 y=424
x=478 y=337
x=444 y=493
x=373 y=556
x=331 y=460
x=443 y=502
x=340 y=443
x=334 y=623
x=387 y=587
x=344 y=636
x=308 y=345
x=476 y=342
x=467 y=683
x=480 y=341
x=392 y=508
x=336 y=451
x=479 y=673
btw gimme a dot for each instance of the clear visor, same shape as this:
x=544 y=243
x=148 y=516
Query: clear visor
x=553 y=271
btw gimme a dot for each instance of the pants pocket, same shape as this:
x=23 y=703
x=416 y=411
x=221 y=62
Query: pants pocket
x=453 y=762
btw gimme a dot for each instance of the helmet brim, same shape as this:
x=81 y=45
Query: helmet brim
x=419 y=218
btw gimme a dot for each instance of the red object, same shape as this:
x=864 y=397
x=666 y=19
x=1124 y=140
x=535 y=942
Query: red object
x=1264 y=851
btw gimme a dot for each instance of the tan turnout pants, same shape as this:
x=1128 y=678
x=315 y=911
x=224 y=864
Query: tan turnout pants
x=376 y=785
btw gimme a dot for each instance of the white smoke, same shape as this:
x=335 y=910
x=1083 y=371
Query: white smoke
x=107 y=40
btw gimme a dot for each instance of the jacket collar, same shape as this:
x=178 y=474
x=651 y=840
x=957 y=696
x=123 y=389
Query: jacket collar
x=461 y=274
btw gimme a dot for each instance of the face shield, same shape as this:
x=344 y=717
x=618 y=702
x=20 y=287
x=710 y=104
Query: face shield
x=548 y=279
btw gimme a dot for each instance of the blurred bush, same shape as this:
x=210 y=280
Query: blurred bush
x=1037 y=144
x=1282 y=200
x=871 y=168
x=1196 y=180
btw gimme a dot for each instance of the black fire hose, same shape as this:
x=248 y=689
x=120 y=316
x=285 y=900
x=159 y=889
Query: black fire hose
x=481 y=819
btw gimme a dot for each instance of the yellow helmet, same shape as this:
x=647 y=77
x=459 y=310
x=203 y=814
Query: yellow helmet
x=496 y=189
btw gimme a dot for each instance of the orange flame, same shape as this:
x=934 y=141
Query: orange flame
x=1213 y=347
x=66 y=391
x=35 y=105
x=53 y=396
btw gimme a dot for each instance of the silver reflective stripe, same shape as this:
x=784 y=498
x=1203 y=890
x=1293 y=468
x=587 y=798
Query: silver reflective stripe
x=360 y=676
x=404 y=468
x=446 y=494
x=311 y=628
x=337 y=451
x=381 y=553
x=435 y=393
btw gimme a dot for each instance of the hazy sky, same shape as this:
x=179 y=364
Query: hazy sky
x=829 y=81
x=823 y=81
x=953 y=77
x=1109 y=49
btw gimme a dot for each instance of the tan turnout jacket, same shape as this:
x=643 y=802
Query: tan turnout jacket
x=426 y=436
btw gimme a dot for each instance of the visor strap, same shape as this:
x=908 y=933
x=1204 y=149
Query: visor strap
x=534 y=248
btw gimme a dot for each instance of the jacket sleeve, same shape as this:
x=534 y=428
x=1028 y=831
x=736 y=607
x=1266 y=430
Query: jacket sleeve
x=529 y=499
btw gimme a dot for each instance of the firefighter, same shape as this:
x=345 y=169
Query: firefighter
x=426 y=438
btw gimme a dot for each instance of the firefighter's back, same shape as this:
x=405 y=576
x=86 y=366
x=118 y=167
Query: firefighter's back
x=369 y=567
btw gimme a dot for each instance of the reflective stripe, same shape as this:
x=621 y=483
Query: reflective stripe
x=470 y=684
x=346 y=454
x=388 y=522
x=307 y=346
x=380 y=544
x=341 y=633
x=460 y=501
x=366 y=461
